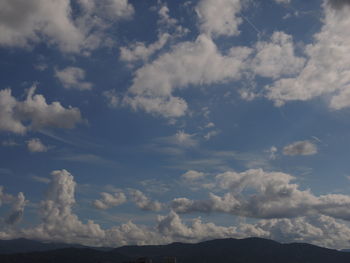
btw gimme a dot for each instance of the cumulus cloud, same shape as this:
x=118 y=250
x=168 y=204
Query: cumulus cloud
x=24 y=23
x=113 y=9
x=276 y=58
x=61 y=224
x=319 y=230
x=258 y=194
x=109 y=200
x=35 y=145
x=196 y=63
x=17 y=210
x=73 y=78
x=34 y=113
x=219 y=17
x=143 y=202
x=4 y=197
x=139 y=51
x=168 y=29
x=18 y=204
x=300 y=148
x=327 y=71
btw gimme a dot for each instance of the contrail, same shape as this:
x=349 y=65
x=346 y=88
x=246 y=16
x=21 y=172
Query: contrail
x=250 y=23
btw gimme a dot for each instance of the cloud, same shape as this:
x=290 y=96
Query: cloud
x=184 y=139
x=219 y=17
x=272 y=152
x=109 y=200
x=112 y=98
x=25 y=23
x=59 y=223
x=18 y=203
x=87 y=158
x=17 y=210
x=196 y=63
x=172 y=227
x=180 y=139
x=73 y=78
x=192 y=175
x=139 y=51
x=282 y=1
x=40 y=179
x=258 y=194
x=143 y=202
x=327 y=71
x=276 y=58
x=9 y=143
x=168 y=29
x=338 y=3
x=4 y=197
x=319 y=230
x=300 y=148
x=35 y=145
x=34 y=113
x=211 y=134
x=155 y=186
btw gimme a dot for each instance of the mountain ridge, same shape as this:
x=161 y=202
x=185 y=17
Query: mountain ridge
x=249 y=250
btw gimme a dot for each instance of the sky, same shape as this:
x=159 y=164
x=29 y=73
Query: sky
x=151 y=122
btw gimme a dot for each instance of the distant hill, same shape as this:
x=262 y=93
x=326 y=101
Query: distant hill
x=23 y=245
x=250 y=250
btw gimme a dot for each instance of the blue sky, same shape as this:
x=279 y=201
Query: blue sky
x=149 y=122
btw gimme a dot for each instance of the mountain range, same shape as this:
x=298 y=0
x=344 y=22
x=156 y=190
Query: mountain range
x=249 y=250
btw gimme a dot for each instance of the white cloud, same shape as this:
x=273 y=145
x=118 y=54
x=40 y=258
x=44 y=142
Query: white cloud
x=276 y=58
x=109 y=200
x=211 y=134
x=35 y=145
x=300 y=148
x=40 y=179
x=17 y=210
x=327 y=71
x=192 y=175
x=24 y=23
x=272 y=153
x=219 y=17
x=184 y=139
x=282 y=1
x=143 y=202
x=4 y=197
x=259 y=194
x=139 y=51
x=112 y=98
x=34 y=113
x=73 y=78
x=168 y=29
x=18 y=203
x=196 y=63
x=61 y=224
x=319 y=230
